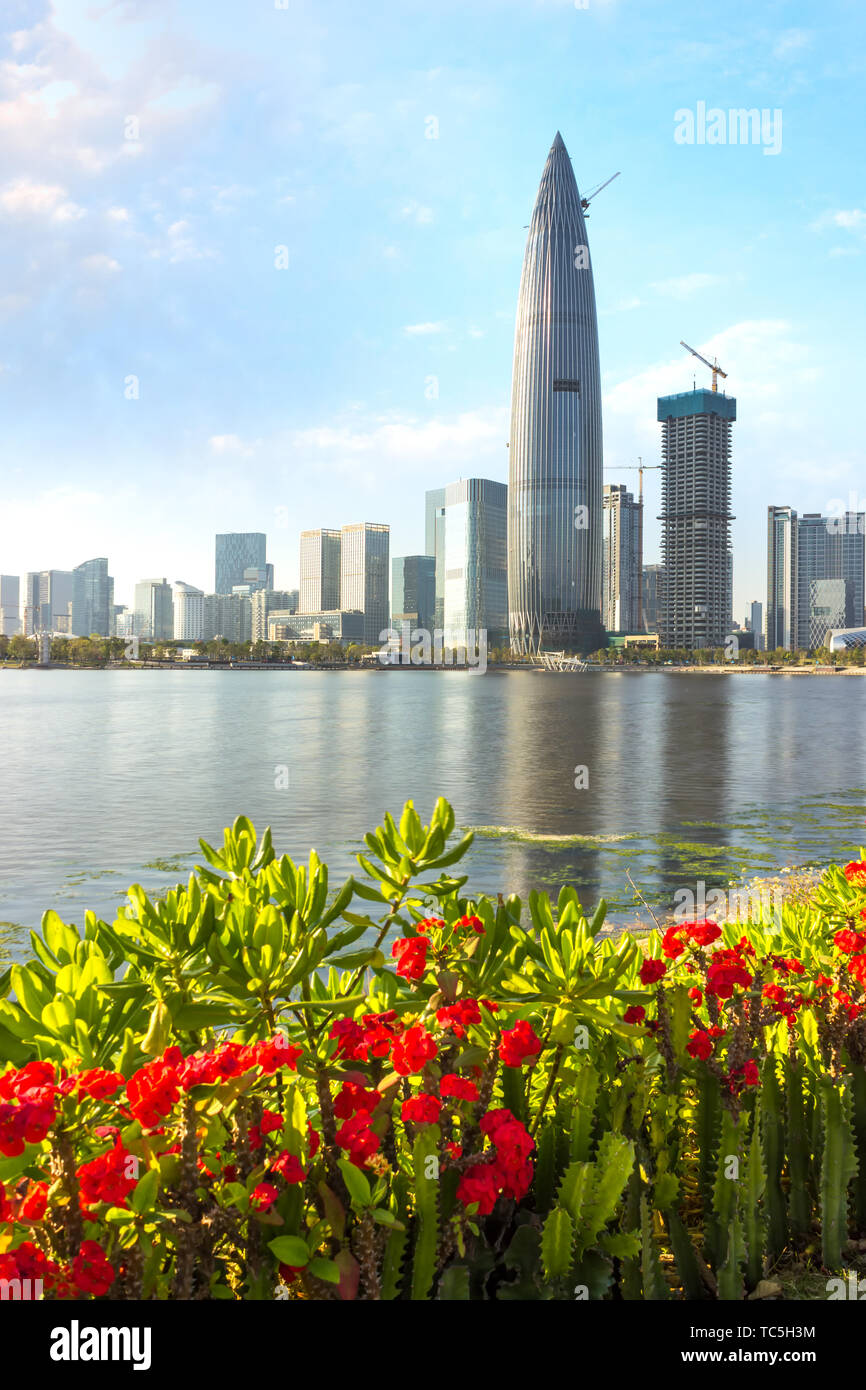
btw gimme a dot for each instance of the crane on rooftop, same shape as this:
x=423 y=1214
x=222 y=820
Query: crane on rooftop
x=585 y=202
x=713 y=366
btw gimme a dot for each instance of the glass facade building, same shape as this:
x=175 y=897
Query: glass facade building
x=92 y=599
x=317 y=627
x=434 y=544
x=364 y=576
x=267 y=601
x=154 y=610
x=47 y=601
x=413 y=590
x=236 y=552
x=808 y=551
x=476 y=572
x=10 y=598
x=555 y=452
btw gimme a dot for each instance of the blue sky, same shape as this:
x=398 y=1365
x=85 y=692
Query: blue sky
x=156 y=155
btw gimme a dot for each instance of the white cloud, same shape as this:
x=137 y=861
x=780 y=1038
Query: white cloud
x=791 y=41
x=24 y=198
x=231 y=444
x=418 y=330
x=683 y=286
x=101 y=263
x=849 y=219
x=417 y=213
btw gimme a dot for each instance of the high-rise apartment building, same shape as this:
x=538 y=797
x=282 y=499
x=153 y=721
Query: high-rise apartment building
x=10 y=599
x=434 y=544
x=622 y=560
x=236 y=552
x=781 y=578
x=364 y=575
x=92 y=599
x=555 y=454
x=803 y=554
x=320 y=571
x=653 y=579
x=413 y=590
x=228 y=616
x=476 y=561
x=267 y=601
x=188 y=612
x=47 y=601
x=154 y=610
x=696 y=518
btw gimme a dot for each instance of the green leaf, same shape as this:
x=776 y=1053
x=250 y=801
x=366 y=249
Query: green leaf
x=327 y=1270
x=290 y=1250
x=143 y=1196
x=359 y=1188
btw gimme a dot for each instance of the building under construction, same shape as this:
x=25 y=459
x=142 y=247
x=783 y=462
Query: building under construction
x=696 y=602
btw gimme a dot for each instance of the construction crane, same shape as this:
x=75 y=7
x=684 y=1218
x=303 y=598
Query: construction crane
x=585 y=202
x=713 y=366
x=640 y=468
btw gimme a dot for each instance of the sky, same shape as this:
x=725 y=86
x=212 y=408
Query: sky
x=261 y=261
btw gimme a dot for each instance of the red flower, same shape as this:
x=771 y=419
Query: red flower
x=358 y=1139
x=108 y=1178
x=152 y=1091
x=652 y=970
x=289 y=1167
x=696 y=996
x=91 y=1270
x=459 y=1016
x=372 y=1037
x=263 y=1196
x=429 y=923
x=519 y=1044
x=475 y=923
x=751 y=1076
x=413 y=1051
x=856 y=873
x=410 y=953
x=352 y=1098
x=422 y=1110
x=635 y=1013
x=777 y=997
x=99 y=1084
x=700 y=1044
x=703 y=933
x=848 y=941
x=857 y=968
x=726 y=970
x=457 y=1086
x=275 y=1052
x=479 y=1184
x=672 y=942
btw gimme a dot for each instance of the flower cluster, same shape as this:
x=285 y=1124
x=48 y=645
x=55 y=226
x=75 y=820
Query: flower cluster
x=507 y=1172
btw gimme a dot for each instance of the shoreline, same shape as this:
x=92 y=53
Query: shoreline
x=492 y=669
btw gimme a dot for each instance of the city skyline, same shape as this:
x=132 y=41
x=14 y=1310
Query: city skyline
x=232 y=371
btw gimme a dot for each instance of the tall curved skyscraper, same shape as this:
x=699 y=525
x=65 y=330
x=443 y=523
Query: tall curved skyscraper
x=555 y=469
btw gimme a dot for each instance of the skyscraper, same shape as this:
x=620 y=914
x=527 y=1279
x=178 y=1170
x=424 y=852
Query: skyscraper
x=653 y=583
x=92 y=599
x=622 y=560
x=434 y=544
x=47 y=599
x=413 y=590
x=237 y=551
x=555 y=459
x=781 y=578
x=364 y=574
x=188 y=612
x=10 y=589
x=805 y=553
x=320 y=571
x=696 y=518
x=154 y=610
x=476 y=572
x=755 y=623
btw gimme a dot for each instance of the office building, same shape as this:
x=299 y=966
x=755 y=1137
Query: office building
x=154 y=610
x=10 y=600
x=413 y=591
x=92 y=599
x=320 y=571
x=434 y=545
x=830 y=607
x=267 y=601
x=476 y=571
x=555 y=450
x=622 y=560
x=48 y=601
x=336 y=626
x=228 y=616
x=696 y=518
x=364 y=576
x=188 y=612
x=653 y=580
x=236 y=552
x=781 y=578
x=755 y=624
x=802 y=553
